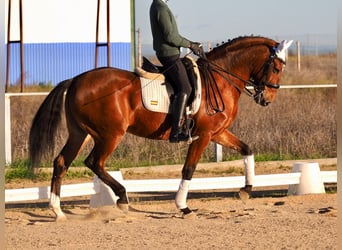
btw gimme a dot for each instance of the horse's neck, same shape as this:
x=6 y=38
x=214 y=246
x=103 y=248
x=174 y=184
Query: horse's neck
x=243 y=62
x=236 y=63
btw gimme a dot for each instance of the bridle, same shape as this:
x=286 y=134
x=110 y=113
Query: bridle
x=257 y=85
x=268 y=67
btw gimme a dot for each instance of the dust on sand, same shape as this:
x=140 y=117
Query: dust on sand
x=220 y=222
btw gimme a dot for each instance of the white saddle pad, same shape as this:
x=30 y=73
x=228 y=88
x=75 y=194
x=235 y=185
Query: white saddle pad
x=156 y=92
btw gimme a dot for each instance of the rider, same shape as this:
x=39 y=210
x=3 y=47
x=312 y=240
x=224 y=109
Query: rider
x=167 y=42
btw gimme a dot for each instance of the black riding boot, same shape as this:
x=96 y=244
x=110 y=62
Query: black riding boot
x=177 y=133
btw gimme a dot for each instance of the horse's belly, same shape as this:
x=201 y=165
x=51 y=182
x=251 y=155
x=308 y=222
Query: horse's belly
x=150 y=125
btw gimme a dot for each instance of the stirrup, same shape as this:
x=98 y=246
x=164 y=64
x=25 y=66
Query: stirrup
x=192 y=139
x=190 y=123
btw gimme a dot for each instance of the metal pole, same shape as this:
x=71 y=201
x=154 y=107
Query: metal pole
x=298 y=56
x=9 y=42
x=108 y=33
x=139 y=48
x=8 y=46
x=209 y=46
x=2 y=130
x=133 y=40
x=98 y=44
x=97 y=33
x=21 y=47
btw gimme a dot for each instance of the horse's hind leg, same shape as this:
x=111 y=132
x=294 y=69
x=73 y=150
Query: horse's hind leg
x=96 y=162
x=60 y=167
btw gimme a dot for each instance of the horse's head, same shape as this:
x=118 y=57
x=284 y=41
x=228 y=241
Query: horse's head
x=266 y=80
x=244 y=62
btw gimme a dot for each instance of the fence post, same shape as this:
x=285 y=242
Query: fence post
x=218 y=152
x=2 y=110
x=8 y=147
x=139 y=48
x=298 y=56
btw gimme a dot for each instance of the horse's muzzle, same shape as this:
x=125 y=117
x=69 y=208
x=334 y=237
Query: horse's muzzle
x=259 y=99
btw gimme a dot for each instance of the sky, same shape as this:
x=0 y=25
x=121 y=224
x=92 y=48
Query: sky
x=219 y=20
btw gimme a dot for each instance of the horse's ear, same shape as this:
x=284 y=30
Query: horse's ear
x=287 y=44
x=280 y=50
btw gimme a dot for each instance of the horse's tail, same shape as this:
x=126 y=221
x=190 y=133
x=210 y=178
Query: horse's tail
x=45 y=123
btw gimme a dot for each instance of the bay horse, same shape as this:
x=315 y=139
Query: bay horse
x=105 y=103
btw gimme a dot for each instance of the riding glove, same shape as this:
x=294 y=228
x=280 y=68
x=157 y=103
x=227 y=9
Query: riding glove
x=196 y=48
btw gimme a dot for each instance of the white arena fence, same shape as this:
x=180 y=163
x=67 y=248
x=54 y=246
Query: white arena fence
x=161 y=185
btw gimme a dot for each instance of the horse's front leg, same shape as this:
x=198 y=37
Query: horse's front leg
x=194 y=154
x=227 y=139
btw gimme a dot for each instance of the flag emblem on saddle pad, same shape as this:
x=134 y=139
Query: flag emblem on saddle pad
x=154 y=103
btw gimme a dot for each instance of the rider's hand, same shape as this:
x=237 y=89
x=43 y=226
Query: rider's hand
x=196 y=48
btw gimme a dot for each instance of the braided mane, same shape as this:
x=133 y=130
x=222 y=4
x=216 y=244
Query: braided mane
x=241 y=43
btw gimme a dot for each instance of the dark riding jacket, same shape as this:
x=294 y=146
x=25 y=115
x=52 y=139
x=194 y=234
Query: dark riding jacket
x=166 y=38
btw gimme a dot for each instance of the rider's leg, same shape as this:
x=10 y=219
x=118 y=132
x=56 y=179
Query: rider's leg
x=179 y=105
x=176 y=73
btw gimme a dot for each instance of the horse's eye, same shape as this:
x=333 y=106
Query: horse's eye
x=275 y=70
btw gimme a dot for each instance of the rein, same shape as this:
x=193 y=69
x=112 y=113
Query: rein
x=221 y=70
x=213 y=90
x=216 y=103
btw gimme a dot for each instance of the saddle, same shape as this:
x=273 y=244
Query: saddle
x=157 y=92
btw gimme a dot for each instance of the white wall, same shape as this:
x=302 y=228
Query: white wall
x=47 y=21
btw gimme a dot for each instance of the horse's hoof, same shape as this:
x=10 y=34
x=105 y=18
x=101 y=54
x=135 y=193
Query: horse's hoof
x=188 y=213
x=123 y=207
x=61 y=218
x=189 y=216
x=245 y=193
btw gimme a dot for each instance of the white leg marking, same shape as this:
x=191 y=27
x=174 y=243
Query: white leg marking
x=55 y=204
x=182 y=194
x=249 y=169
